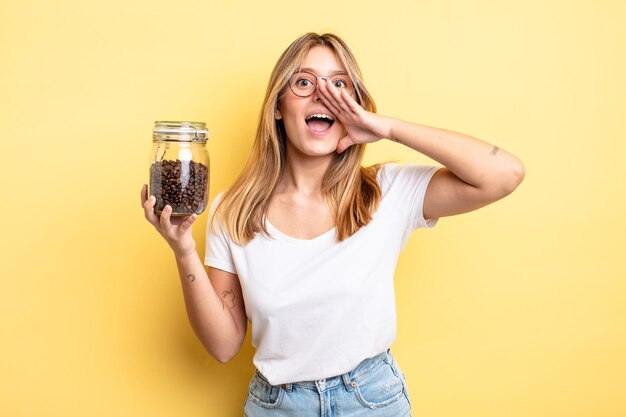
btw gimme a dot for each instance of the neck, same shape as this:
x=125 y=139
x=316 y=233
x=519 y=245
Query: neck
x=303 y=174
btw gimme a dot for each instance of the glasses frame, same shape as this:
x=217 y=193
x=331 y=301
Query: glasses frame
x=318 y=77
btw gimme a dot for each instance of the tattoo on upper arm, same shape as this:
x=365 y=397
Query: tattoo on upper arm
x=191 y=277
x=229 y=299
x=494 y=151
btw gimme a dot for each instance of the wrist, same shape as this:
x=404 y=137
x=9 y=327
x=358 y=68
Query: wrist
x=393 y=129
x=186 y=253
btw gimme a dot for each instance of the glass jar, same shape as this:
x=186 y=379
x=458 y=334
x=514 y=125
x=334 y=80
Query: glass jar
x=179 y=167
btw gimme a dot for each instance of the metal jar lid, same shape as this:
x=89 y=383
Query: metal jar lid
x=180 y=131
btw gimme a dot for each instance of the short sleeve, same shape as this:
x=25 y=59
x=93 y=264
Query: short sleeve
x=406 y=184
x=218 y=254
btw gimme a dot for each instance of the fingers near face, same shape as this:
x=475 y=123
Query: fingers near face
x=341 y=98
x=322 y=92
x=329 y=96
x=338 y=98
x=351 y=102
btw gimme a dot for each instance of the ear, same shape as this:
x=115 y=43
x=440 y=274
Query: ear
x=278 y=115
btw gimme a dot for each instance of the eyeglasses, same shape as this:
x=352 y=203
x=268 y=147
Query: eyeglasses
x=304 y=83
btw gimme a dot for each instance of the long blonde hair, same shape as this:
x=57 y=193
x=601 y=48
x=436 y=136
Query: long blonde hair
x=351 y=191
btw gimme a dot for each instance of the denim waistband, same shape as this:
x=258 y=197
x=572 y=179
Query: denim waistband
x=346 y=379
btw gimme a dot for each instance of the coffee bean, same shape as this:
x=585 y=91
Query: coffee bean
x=181 y=184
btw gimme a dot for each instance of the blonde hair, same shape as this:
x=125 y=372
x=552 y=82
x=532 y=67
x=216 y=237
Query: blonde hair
x=351 y=191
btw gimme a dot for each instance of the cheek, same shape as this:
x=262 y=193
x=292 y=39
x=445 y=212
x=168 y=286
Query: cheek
x=290 y=123
x=289 y=117
x=291 y=128
x=342 y=130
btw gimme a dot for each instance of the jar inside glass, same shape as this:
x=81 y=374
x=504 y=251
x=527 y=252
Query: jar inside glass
x=179 y=167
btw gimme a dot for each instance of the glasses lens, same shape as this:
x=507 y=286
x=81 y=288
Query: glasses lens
x=303 y=84
x=342 y=81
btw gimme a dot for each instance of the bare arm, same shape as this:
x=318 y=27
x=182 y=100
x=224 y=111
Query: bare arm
x=213 y=301
x=214 y=305
x=476 y=173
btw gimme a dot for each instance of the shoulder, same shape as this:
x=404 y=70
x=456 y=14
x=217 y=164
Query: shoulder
x=214 y=204
x=214 y=223
x=217 y=200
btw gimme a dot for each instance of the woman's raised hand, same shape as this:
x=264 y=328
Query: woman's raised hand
x=175 y=230
x=362 y=126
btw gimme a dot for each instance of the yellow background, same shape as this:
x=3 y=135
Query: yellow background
x=516 y=309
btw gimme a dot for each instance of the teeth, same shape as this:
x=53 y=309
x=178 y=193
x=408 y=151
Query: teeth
x=320 y=115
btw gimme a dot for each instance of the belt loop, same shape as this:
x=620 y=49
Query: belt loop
x=346 y=381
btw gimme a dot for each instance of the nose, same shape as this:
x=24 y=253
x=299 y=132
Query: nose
x=316 y=94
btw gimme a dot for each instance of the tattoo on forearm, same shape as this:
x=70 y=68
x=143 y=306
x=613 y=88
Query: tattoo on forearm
x=191 y=277
x=494 y=151
x=396 y=140
x=229 y=299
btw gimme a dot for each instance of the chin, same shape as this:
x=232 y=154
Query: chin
x=312 y=147
x=319 y=152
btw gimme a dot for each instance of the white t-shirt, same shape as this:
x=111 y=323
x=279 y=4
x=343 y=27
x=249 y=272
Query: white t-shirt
x=319 y=307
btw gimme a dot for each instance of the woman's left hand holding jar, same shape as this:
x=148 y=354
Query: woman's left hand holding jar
x=175 y=230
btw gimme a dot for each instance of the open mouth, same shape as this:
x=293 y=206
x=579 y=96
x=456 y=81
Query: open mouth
x=319 y=122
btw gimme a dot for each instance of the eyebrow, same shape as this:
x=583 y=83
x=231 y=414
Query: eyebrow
x=315 y=72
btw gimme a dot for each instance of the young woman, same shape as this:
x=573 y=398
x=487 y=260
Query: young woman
x=305 y=242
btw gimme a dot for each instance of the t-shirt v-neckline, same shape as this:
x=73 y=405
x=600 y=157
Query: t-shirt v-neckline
x=277 y=233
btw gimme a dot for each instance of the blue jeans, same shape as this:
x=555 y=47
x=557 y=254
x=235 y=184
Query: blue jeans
x=376 y=387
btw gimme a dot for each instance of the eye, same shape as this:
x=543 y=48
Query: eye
x=303 y=82
x=341 y=81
